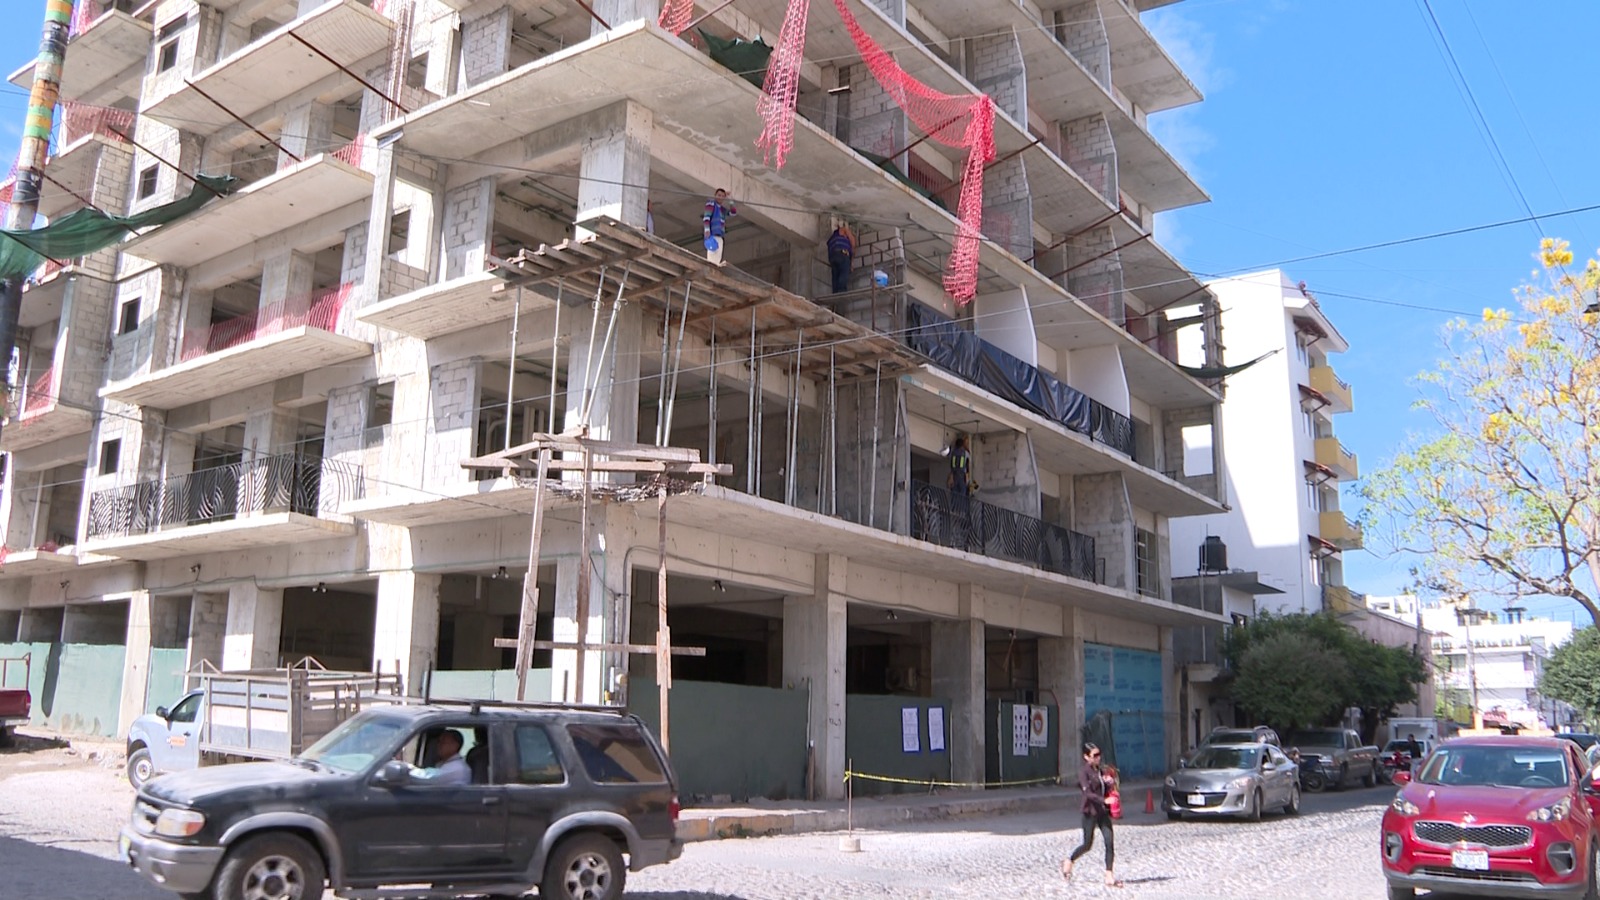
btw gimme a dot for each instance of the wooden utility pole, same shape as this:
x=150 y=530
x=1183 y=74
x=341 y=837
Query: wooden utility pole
x=31 y=158
x=663 y=633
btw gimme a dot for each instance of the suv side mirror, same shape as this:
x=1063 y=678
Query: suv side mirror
x=393 y=773
x=163 y=712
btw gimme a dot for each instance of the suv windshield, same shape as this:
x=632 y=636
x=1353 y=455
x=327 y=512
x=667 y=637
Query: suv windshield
x=1496 y=767
x=1316 y=737
x=1226 y=758
x=355 y=744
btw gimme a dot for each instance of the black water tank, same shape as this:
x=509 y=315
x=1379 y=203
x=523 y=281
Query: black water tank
x=1213 y=555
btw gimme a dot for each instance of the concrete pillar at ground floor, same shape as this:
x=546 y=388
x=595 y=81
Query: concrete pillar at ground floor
x=1061 y=680
x=603 y=615
x=136 y=661
x=406 y=632
x=814 y=659
x=958 y=676
x=1173 y=746
x=208 y=628
x=254 y=628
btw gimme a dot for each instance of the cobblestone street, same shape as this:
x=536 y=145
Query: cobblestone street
x=59 y=815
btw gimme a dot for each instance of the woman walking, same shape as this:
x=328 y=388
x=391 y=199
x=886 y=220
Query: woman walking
x=1095 y=785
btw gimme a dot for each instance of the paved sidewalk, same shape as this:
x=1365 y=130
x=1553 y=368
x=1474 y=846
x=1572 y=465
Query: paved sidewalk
x=768 y=817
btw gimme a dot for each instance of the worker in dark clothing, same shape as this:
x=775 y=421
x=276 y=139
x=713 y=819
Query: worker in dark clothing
x=1095 y=784
x=961 y=486
x=841 y=252
x=960 y=481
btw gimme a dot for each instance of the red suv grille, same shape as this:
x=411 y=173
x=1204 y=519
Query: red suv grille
x=1487 y=835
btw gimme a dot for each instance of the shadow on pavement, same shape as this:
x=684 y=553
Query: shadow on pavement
x=27 y=743
x=40 y=872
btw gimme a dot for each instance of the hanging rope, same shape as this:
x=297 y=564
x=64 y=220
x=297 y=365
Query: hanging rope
x=965 y=121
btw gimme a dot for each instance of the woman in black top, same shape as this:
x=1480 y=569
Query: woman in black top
x=1095 y=784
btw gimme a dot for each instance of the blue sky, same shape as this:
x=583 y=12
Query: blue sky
x=1328 y=126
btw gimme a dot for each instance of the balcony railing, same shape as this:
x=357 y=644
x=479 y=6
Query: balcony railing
x=972 y=359
x=960 y=522
x=322 y=311
x=272 y=484
x=40 y=395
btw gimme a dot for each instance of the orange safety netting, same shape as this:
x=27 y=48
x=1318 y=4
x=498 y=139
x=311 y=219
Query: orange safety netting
x=965 y=121
x=675 y=15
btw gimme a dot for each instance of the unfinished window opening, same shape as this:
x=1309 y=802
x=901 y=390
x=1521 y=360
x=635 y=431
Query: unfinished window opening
x=110 y=456
x=149 y=177
x=399 y=231
x=380 y=404
x=1197 y=453
x=128 y=317
x=417 y=72
x=1147 y=567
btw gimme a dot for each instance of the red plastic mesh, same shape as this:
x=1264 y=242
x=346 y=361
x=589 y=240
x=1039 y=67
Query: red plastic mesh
x=964 y=120
x=675 y=15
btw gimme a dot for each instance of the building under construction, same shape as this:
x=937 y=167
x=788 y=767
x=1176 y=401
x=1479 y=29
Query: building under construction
x=465 y=224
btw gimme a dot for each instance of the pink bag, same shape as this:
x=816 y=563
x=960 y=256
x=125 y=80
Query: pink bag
x=1114 y=804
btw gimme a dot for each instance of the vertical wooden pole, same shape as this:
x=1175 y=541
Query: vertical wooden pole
x=663 y=631
x=530 y=582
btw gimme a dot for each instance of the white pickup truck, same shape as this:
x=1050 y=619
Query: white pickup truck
x=1343 y=755
x=256 y=714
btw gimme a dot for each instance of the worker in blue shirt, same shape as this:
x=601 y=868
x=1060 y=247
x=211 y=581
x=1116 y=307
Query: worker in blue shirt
x=719 y=209
x=841 y=252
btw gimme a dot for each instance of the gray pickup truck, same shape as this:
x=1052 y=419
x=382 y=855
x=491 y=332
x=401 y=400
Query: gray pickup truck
x=1343 y=755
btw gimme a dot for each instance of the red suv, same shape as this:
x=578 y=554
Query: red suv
x=1495 y=817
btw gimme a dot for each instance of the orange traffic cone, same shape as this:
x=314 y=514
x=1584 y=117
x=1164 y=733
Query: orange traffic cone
x=1149 y=801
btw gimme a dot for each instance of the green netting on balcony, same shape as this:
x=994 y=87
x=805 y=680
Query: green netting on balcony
x=746 y=58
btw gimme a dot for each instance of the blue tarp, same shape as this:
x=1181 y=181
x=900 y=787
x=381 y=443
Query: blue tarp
x=968 y=356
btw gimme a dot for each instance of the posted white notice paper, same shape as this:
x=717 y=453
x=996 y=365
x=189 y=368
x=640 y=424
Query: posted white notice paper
x=935 y=728
x=910 y=729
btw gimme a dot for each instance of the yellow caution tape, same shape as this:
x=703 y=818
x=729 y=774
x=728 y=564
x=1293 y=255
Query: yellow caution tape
x=928 y=782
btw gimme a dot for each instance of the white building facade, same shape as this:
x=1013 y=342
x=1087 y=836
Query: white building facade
x=1283 y=464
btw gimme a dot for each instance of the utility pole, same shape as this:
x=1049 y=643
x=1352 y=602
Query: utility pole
x=31 y=158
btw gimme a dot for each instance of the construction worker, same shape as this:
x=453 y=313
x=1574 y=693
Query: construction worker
x=841 y=252
x=719 y=209
x=960 y=484
x=960 y=480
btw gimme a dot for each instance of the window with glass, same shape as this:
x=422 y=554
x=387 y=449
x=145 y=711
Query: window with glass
x=616 y=754
x=537 y=762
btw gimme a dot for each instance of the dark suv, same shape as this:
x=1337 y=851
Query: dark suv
x=555 y=798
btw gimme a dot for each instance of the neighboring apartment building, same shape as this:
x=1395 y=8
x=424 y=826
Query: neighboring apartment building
x=1283 y=464
x=241 y=439
x=1488 y=660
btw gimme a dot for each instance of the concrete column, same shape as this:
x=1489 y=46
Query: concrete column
x=958 y=676
x=1095 y=275
x=618 y=12
x=1061 y=680
x=407 y=629
x=208 y=626
x=814 y=659
x=614 y=168
x=307 y=131
x=468 y=218
x=1082 y=31
x=1172 y=744
x=254 y=629
x=136 y=662
x=1089 y=149
x=486 y=47
x=871 y=462
x=608 y=587
x=287 y=278
x=613 y=379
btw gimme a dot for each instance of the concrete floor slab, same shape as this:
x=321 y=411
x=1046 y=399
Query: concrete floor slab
x=261 y=361
x=451 y=306
x=235 y=535
x=105 y=50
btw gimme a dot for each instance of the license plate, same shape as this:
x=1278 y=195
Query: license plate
x=1470 y=860
x=1197 y=799
x=122 y=847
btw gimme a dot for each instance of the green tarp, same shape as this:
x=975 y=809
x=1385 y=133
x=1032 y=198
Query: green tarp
x=748 y=59
x=884 y=163
x=1223 y=371
x=88 y=230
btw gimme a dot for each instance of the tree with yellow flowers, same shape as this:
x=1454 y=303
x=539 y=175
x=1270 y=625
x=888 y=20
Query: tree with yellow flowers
x=1503 y=498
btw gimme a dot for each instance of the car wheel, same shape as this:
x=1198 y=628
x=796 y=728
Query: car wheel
x=1397 y=892
x=1593 y=893
x=141 y=767
x=1254 y=812
x=272 y=866
x=584 y=867
x=1315 y=782
x=1292 y=808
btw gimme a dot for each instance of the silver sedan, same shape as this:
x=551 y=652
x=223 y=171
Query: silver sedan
x=1233 y=780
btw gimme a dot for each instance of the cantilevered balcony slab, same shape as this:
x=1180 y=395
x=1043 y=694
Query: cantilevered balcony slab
x=42 y=299
x=70 y=174
x=451 y=306
x=293 y=351
x=700 y=101
x=463 y=502
x=277 y=65
x=46 y=421
x=321 y=184
x=933 y=392
x=98 y=56
x=230 y=536
x=27 y=563
x=1140 y=67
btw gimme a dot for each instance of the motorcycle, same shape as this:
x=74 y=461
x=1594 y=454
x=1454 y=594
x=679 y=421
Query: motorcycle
x=1312 y=776
x=1398 y=761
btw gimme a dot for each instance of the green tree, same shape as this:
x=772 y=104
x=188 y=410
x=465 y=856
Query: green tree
x=1503 y=498
x=1290 y=680
x=1572 y=673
